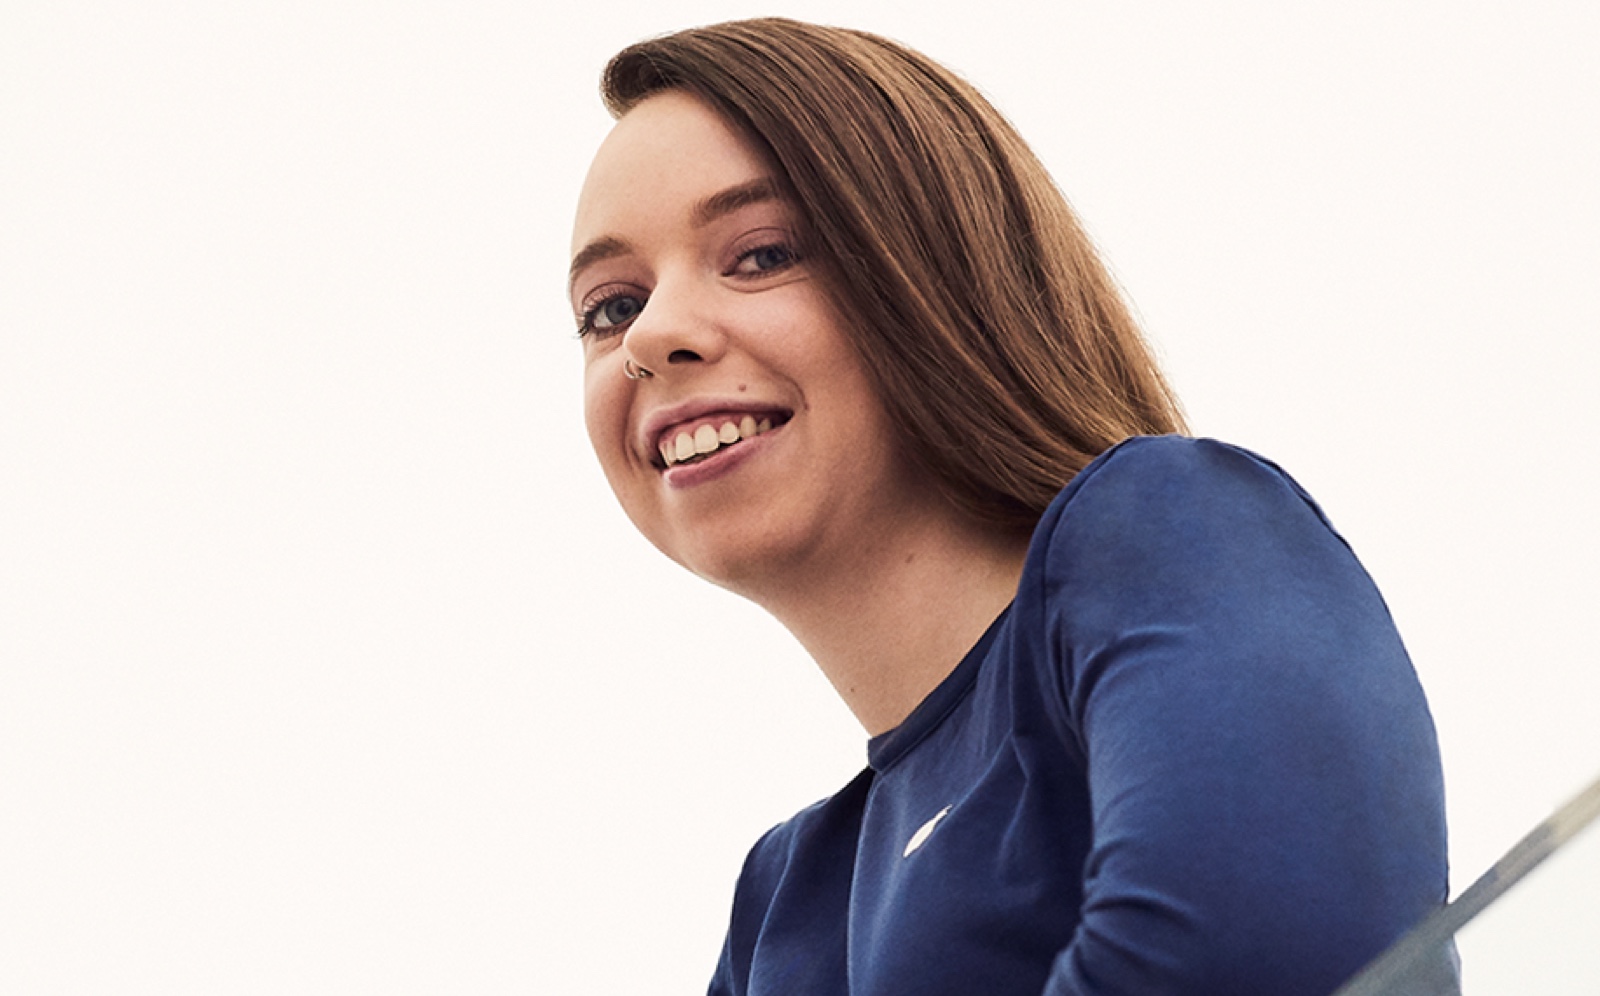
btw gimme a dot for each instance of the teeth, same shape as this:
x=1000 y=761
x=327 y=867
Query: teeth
x=708 y=439
x=705 y=440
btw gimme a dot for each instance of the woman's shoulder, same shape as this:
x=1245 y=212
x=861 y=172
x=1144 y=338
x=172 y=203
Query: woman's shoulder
x=1177 y=464
x=1160 y=523
x=1146 y=486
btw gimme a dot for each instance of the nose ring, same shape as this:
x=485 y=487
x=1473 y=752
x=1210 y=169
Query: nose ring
x=634 y=371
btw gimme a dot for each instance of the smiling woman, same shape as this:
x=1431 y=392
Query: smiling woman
x=1139 y=721
x=747 y=434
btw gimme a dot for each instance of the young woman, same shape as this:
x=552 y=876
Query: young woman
x=1140 y=722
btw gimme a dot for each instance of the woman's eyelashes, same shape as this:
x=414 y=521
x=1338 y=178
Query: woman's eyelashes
x=611 y=313
x=769 y=257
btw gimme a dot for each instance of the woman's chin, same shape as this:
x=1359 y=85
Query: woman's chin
x=744 y=562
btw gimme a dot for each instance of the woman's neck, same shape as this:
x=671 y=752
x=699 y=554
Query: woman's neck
x=887 y=623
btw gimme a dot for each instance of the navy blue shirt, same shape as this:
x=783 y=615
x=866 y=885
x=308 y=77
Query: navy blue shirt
x=1191 y=757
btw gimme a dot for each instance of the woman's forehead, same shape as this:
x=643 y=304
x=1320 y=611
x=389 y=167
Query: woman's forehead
x=667 y=154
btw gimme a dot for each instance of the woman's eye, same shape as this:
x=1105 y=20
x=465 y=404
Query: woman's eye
x=612 y=313
x=764 y=259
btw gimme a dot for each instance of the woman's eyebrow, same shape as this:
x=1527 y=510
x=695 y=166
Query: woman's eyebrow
x=594 y=252
x=732 y=199
x=705 y=211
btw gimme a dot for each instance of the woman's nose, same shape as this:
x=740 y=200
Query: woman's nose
x=676 y=327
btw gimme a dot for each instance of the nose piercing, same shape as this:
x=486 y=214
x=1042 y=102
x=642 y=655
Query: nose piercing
x=634 y=371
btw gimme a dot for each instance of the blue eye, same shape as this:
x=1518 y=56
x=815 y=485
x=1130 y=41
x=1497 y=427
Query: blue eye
x=617 y=311
x=611 y=313
x=764 y=259
x=770 y=257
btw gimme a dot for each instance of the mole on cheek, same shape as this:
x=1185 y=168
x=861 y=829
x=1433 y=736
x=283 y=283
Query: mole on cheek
x=742 y=388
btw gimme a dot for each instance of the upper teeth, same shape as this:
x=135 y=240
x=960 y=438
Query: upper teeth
x=708 y=438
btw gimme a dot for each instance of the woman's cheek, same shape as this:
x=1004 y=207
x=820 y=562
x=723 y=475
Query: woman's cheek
x=605 y=414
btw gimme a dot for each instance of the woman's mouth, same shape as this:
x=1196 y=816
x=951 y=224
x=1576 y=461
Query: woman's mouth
x=695 y=441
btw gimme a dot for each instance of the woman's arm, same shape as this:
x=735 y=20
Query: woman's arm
x=1264 y=776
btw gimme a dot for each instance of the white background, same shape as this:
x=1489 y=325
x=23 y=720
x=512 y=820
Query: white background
x=328 y=663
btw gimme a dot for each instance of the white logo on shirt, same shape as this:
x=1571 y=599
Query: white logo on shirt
x=923 y=832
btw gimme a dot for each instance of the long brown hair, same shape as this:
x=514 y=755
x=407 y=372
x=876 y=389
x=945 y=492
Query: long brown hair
x=998 y=341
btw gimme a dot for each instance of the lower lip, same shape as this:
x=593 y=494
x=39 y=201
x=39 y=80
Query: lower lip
x=719 y=464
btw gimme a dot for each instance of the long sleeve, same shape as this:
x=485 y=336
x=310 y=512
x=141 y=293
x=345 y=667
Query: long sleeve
x=1263 y=773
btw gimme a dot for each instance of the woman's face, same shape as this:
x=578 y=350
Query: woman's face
x=757 y=444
